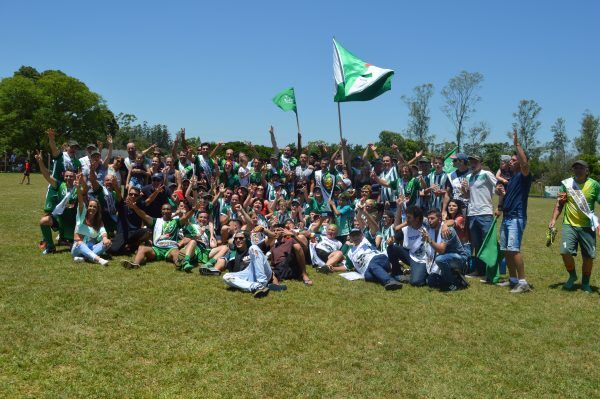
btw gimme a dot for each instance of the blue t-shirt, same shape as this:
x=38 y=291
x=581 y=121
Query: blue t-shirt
x=453 y=244
x=517 y=192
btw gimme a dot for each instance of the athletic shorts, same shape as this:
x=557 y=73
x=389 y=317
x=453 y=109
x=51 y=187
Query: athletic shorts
x=202 y=254
x=511 y=234
x=161 y=253
x=573 y=237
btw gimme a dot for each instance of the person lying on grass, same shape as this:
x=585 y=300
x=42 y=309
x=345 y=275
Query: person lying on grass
x=249 y=269
x=91 y=239
x=164 y=242
x=287 y=254
x=327 y=252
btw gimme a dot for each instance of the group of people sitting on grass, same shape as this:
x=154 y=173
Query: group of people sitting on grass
x=263 y=221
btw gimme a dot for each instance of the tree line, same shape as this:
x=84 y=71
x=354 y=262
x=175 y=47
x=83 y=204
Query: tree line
x=31 y=101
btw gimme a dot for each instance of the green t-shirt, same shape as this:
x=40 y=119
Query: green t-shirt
x=573 y=216
x=167 y=237
x=411 y=189
x=314 y=206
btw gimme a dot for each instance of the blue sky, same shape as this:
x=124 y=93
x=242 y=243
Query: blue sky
x=213 y=68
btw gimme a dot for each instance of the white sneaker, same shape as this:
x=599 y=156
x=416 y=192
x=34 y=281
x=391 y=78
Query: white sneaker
x=521 y=288
x=103 y=262
x=78 y=259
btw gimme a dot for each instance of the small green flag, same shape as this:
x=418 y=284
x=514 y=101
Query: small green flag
x=448 y=165
x=286 y=100
x=490 y=254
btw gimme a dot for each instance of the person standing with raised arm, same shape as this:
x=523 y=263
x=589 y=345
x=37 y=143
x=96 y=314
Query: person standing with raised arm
x=514 y=218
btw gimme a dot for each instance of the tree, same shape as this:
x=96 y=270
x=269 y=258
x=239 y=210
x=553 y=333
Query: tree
x=31 y=102
x=558 y=146
x=527 y=125
x=587 y=142
x=477 y=135
x=418 y=114
x=461 y=94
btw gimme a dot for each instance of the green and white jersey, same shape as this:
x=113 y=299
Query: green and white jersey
x=165 y=232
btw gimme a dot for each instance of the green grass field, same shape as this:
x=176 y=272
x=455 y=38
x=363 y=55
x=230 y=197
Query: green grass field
x=82 y=330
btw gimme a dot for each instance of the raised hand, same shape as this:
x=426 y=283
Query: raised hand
x=271 y=130
x=418 y=154
x=109 y=139
x=373 y=147
x=51 y=134
x=38 y=155
x=515 y=137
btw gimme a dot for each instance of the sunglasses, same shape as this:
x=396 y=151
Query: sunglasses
x=133 y=194
x=238 y=238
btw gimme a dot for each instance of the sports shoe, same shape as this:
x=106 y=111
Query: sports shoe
x=78 y=259
x=521 y=288
x=49 y=250
x=392 y=285
x=277 y=287
x=403 y=278
x=507 y=283
x=550 y=236
x=187 y=267
x=207 y=270
x=102 y=262
x=323 y=269
x=129 y=265
x=261 y=292
x=586 y=288
x=475 y=274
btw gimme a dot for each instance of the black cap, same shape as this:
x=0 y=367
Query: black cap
x=580 y=162
x=158 y=176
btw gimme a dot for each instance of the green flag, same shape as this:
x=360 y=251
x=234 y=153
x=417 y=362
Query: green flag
x=356 y=80
x=490 y=254
x=286 y=100
x=448 y=165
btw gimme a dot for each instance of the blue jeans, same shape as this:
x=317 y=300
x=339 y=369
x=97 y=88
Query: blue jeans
x=478 y=228
x=396 y=254
x=378 y=270
x=88 y=251
x=256 y=275
x=449 y=264
x=511 y=234
x=418 y=273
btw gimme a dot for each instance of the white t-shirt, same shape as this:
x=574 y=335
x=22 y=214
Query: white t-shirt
x=481 y=190
x=362 y=254
x=328 y=245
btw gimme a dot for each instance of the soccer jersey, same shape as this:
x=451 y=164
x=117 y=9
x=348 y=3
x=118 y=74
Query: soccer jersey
x=165 y=232
x=573 y=215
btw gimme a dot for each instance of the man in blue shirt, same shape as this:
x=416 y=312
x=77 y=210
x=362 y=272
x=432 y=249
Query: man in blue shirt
x=514 y=218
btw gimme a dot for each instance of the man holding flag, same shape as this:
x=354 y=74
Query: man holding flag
x=577 y=196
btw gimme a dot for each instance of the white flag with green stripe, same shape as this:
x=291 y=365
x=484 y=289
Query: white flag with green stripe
x=355 y=80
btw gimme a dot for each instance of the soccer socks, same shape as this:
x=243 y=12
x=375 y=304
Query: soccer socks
x=571 y=280
x=47 y=236
x=585 y=284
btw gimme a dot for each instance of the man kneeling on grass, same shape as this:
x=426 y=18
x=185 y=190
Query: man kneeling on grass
x=164 y=236
x=371 y=263
x=249 y=269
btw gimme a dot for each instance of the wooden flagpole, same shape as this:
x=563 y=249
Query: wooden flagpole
x=340 y=120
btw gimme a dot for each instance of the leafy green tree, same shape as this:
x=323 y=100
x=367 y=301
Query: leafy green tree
x=587 y=142
x=418 y=114
x=476 y=136
x=461 y=95
x=31 y=102
x=527 y=125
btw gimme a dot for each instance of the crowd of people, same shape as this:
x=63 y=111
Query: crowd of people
x=260 y=222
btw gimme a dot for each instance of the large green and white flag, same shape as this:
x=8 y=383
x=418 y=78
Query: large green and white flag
x=490 y=254
x=448 y=165
x=356 y=80
x=286 y=100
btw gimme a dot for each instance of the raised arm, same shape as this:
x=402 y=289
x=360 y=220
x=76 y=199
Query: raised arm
x=418 y=155
x=523 y=162
x=274 y=142
x=79 y=184
x=51 y=180
x=147 y=150
x=54 y=151
x=93 y=177
x=214 y=150
x=106 y=161
x=143 y=215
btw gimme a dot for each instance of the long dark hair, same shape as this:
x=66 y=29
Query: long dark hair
x=96 y=222
x=459 y=207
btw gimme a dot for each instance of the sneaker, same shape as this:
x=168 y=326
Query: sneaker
x=507 y=283
x=78 y=259
x=323 y=269
x=462 y=281
x=102 y=262
x=277 y=287
x=129 y=265
x=187 y=267
x=209 y=271
x=475 y=274
x=261 y=292
x=550 y=236
x=403 y=278
x=392 y=285
x=521 y=288
x=49 y=250
x=586 y=288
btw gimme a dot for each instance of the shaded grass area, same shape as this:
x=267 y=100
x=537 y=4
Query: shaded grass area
x=78 y=330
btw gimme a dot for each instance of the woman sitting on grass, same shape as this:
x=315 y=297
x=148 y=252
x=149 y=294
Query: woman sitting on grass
x=91 y=239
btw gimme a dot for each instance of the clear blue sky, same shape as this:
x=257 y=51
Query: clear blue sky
x=213 y=67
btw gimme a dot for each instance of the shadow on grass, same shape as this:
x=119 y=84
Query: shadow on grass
x=576 y=287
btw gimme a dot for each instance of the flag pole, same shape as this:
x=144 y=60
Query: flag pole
x=297 y=120
x=340 y=119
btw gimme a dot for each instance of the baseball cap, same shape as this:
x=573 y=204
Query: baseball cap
x=355 y=231
x=424 y=159
x=580 y=162
x=505 y=158
x=95 y=152
x=73 y=143
x=90 y=146
x=475 y=157
x=158 y=176
x=460 y=156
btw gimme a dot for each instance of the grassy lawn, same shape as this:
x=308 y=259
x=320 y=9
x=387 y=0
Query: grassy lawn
x=82 y=330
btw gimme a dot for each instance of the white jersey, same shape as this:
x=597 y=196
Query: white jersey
x=362 y=254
